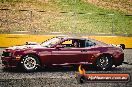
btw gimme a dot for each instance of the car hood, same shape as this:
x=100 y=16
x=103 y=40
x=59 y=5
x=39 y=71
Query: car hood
x=27 y=46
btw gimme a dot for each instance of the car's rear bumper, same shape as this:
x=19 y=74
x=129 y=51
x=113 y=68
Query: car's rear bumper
x=9 y=62
x=119 y=60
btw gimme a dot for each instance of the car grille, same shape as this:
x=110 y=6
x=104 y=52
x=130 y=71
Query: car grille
x=5 y=63
x=6 y=54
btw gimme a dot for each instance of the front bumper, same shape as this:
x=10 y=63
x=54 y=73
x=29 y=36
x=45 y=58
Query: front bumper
x=9 y=62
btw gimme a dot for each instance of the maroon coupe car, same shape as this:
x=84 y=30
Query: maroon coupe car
x=63 y=51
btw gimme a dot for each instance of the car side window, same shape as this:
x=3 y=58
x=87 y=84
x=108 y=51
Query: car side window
x=67 y=43
x=74 y=43
x=89 y=43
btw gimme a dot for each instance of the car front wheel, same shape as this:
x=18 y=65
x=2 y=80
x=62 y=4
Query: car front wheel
x=30 y=63
x=104 y=62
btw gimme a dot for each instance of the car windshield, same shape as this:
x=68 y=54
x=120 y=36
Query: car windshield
x=50 y=42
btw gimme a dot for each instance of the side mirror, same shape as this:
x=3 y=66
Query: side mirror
x=59 y=46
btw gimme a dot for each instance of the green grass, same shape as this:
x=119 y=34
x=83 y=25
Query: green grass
x=85 y=20
x=94 y=23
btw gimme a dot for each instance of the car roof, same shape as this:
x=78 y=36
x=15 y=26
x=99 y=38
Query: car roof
x=80 y=38
x=68 y=37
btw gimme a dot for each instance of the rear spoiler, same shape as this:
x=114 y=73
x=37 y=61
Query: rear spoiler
x=120 y=45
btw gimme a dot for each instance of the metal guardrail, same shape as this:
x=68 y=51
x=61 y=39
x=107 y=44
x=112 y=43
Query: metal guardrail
x=60 y=11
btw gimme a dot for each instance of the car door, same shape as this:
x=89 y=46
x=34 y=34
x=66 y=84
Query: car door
x=69 y=55
x=91 y=51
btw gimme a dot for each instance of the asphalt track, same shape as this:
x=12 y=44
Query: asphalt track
x=61 y=77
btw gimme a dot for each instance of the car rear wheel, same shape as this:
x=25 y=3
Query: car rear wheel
x=104 y=62
x=30 y=63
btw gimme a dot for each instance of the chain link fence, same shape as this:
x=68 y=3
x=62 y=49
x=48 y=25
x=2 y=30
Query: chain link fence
x=47 y=22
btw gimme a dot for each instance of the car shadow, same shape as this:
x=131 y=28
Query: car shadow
x=61 y=69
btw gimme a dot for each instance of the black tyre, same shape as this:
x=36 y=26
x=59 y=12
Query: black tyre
x=104 y=62
x=30 y=63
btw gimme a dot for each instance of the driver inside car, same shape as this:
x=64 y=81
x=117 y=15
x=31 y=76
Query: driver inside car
x=75 y=44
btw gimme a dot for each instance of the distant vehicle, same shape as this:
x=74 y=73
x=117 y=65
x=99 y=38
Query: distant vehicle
x=63 y=51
